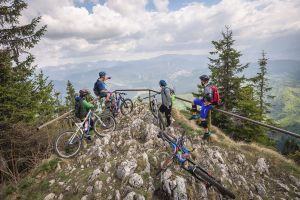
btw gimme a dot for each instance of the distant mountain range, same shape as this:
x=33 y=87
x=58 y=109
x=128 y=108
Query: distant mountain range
x=181 y=72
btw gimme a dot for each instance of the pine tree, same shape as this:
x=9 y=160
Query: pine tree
x=226 y=67
x=44 y=97
x=15 y=38
x=25 y=97
x=19 y=98
x=70 y=98
x=261 y=83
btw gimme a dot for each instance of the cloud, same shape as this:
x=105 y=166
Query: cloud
x=161 y=5
x=124 y=29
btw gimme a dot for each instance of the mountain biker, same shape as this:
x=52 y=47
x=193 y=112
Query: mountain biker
x=166 y=106
x=207 y=87
x=82 y=107
x=206 y=106
x=100 y=89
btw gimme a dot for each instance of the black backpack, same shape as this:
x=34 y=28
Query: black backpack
x=79 y=112
x=96 y=89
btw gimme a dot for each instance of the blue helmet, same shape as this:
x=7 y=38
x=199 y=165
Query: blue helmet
x=162 y=83
x=102 y=74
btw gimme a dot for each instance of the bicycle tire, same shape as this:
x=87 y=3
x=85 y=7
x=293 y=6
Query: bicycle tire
x=203 y=175
x=107 y=123
x=56 y=144
x=128 y=103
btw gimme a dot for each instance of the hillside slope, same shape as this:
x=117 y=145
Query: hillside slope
x=123 y=165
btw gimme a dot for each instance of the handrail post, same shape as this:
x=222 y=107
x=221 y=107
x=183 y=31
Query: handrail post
x=149 y=97
x=209 y=120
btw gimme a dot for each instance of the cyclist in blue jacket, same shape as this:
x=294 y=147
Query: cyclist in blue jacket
x=206 y=106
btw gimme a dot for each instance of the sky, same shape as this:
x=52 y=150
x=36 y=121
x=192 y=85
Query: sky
x=92 y=30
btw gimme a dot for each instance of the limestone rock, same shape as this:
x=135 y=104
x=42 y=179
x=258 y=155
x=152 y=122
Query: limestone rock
x=261 y=166
x=136 y=180
x=126 y=168
x=50 y=196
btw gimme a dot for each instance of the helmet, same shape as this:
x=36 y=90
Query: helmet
x=102 y=74
x=162 y=83
x=84 y=92
x=204 y=78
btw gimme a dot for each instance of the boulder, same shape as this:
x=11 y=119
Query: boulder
x=136 y=180
x=130 y=196
x=94 y=175
x=261 y=166
x=179 y=193
x=126 y=168
x=50 y=196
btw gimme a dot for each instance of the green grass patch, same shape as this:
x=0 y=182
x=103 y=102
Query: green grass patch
x=44 y=185
x=47 y=166
x=8 y=190
x=62 y=176
x=26 y=182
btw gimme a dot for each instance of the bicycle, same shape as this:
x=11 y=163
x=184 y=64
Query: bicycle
x=118 y=103
x=190 y=166
x=154 y=108
x=68 y=143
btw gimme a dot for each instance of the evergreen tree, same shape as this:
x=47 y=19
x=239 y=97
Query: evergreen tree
x=237 y=94
x=70 y=98
x=15 y=38
x=44 y=96
x=20 y=89
x=261 y=83
x=225 y=69
x=25 y=97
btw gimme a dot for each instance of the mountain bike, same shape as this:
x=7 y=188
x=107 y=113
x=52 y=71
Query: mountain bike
x=68 y=143
x=118 y=103
x=190 y=166
x=154 y=108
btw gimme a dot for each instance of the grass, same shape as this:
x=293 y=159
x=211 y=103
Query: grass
x=47 y=166
x=251 y=150
x=26 y=182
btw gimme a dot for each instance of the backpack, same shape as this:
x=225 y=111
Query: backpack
x=79 y=112
x=96 y=89
x=172 y=94
x=215 y=95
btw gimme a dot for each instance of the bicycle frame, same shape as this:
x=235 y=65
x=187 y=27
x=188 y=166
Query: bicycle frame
x=79 y=127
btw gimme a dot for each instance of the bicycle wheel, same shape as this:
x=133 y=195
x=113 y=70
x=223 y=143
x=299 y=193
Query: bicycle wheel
x=203 y=175
x=67 y=144
x=104 y=124
x=126 y=106
x=161 y=123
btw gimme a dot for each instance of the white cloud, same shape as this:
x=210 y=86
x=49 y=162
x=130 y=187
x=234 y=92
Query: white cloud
x=161 y=5
x=124 y=29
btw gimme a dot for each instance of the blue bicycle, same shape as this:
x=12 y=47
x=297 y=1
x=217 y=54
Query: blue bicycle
x=182 y=155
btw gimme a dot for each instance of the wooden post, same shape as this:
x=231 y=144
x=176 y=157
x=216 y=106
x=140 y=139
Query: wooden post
x=54 y=120
x=149 y=98
x=209 y=120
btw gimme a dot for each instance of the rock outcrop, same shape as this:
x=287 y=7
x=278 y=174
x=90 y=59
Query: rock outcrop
x=124 y=165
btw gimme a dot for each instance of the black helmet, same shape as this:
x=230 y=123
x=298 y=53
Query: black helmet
x=204 y=78
x=102 y=74
x=162 y=83
x=84 y=92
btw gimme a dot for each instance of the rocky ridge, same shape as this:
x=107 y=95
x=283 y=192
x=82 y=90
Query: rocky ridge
x=123 y=165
